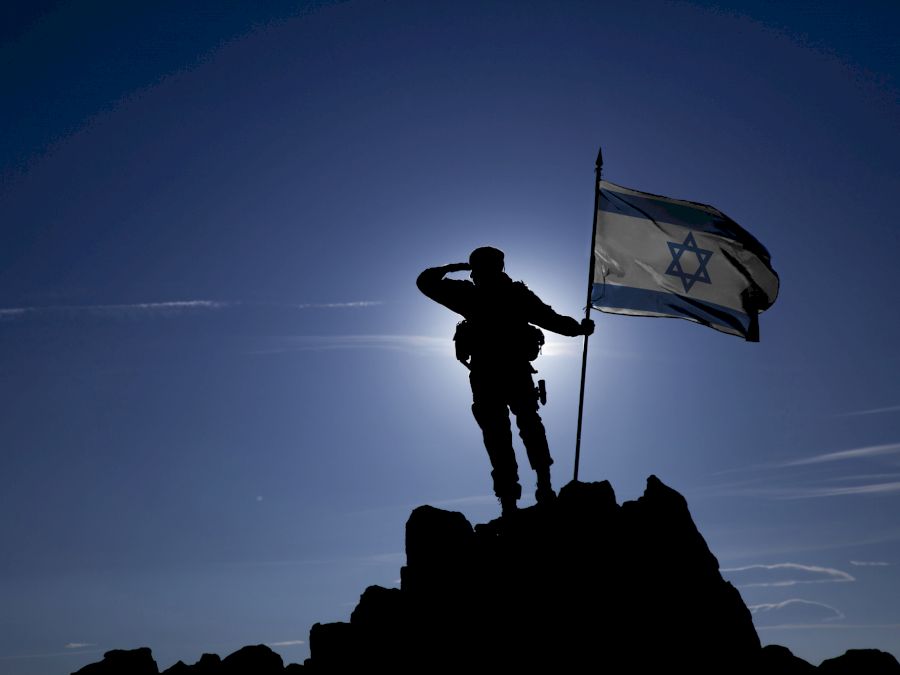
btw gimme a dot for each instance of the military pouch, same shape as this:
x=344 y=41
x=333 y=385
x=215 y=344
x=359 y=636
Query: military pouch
x=533 y=341
x=462 y=341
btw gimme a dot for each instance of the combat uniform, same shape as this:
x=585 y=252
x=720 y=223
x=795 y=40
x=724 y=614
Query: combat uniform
x=498 y=318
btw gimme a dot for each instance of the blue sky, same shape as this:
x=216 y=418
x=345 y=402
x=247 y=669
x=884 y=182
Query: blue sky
x=222 y=393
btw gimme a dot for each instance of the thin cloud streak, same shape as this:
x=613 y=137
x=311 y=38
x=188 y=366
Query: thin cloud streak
x=286 y=643
x=831 y=575
x=871 y=411
x=406 y=343
x=794 y=602
x=45 y=655
x=336 y=305
x=80 y=645
x=747 y=489
x=791 y=626
x=820 y=493
x=864 y=563
x=855 y=453
x=306 y=343
x=384 y=558
x=171 y=307
x=467 y=501
x=871 y=489
x=866 y=477
x=140 y=307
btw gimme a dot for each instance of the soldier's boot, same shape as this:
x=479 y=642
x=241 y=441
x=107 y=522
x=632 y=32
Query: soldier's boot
x=508 y=498
x=544 y=493
x=531 y=429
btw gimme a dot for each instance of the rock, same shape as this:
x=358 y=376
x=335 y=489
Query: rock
x=209 y=664
x=252 y=660
x=778 y=660
x=331 y=640
x=861 y=662
x=123 y=662
x=581 y=583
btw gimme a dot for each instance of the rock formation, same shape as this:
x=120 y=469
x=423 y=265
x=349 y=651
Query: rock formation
x=583 y=583
x=580 y=585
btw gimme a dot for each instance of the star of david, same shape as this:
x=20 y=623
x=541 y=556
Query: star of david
x=675 y=269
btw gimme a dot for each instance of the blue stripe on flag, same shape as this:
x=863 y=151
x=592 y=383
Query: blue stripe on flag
x=648 y=208
x=612 y=297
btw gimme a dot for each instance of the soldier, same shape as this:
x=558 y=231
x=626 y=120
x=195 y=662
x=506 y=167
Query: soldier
x=497 y=342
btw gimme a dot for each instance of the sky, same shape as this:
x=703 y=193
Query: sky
x=221 y=393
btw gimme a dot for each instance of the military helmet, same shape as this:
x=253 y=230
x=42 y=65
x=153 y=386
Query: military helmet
x=486 y=259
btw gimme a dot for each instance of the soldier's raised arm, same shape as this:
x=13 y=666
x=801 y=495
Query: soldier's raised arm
x=543 y=315
x=447 y=292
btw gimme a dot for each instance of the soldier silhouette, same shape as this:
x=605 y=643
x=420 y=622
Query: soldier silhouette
x=497 y=342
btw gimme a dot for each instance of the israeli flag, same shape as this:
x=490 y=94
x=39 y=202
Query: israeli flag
x=656 y=256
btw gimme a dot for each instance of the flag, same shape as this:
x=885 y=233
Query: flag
x=657 y=256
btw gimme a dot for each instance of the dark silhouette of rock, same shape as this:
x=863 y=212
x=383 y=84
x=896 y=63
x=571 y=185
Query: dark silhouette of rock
x=778 y=660
x=209 y=664
x=255 y=659
x=123 y=661
x=576 y=584
x=581 y=582
x=861 y=662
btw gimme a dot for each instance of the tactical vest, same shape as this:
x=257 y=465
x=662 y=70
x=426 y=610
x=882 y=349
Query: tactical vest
x=524 y=343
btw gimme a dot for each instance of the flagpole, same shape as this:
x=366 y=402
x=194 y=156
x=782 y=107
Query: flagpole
x=598 y=166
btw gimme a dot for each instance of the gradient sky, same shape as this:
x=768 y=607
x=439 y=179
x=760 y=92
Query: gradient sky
x=221 y=393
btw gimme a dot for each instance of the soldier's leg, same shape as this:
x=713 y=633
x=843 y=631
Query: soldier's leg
x=492 y=414
x=523 y=403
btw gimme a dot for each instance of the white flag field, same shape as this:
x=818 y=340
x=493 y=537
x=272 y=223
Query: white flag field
x=657 y=256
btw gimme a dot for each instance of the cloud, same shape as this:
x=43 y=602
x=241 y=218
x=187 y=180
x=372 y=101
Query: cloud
x=162 y=308
x=80 y=645
x=286 y=643
x=785 y=574
x=855 y=453
x=337 y=305
x=467 y=501
x=759 y=487
x=869 y=489
x=872 y=411
x=397 y=557
x=407 y=343
x=168 y=308
x=45 y=655
x=794 y=611
x=866 y=476
x=864 y=563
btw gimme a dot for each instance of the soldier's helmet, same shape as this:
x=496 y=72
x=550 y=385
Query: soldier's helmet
x=486 y=259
